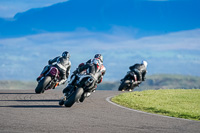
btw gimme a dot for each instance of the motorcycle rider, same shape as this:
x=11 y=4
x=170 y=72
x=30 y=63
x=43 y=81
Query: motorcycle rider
x=62 y=63
x=140 y=70
x=93 y=67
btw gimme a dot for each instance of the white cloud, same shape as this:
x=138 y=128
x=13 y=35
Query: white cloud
x=8 y=8
x=36 y=50
x=183 y=40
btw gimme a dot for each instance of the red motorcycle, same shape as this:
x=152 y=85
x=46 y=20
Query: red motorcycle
x=49 y=81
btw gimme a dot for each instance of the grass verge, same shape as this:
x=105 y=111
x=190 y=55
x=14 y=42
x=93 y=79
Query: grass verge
x=181 y=103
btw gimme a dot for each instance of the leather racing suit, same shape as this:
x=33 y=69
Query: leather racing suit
x=63 y=65
x=140 y=71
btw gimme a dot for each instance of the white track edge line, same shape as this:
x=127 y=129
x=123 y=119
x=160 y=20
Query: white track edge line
x=108 y=100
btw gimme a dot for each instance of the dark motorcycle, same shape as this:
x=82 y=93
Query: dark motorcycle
x=128 y=83
x=48 y=81
x=82 y=87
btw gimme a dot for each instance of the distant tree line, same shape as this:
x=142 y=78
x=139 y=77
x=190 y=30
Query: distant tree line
x=162 y=81
x=153 y=82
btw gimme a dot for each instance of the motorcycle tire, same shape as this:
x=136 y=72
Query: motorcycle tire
x=123 y=85
x=82 y=98
x=74 y=97
x=42 y=84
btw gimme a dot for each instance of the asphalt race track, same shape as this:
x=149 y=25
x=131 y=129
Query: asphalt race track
x=26 y=112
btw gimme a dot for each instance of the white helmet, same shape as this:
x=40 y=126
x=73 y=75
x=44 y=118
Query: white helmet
x=144 y=63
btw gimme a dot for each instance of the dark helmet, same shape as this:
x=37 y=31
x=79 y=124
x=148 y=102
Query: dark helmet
x=65 y=55
x=99 y=56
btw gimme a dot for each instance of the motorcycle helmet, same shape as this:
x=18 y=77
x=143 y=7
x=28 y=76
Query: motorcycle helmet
x=144 y=63
x=99 y=56
x=96 y=61
x=65 y=55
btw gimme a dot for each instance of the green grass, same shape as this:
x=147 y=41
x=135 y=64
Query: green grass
x=181 y=103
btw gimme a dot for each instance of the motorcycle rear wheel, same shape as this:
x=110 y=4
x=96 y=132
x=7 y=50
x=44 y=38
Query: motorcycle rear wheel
x=82 y=98
x=42 y=84
x=123 y=85
x=75 y=97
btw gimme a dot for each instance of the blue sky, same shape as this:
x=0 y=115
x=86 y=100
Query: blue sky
x=140 y=16
x=8 y=8
x=176 y=51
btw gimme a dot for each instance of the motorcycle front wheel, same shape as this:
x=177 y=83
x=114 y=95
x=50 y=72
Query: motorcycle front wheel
x=75 y=97
x=42 y=84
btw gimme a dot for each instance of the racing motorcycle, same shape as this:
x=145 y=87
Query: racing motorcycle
x=49 y=81
x=83 y=86
x=128 y=83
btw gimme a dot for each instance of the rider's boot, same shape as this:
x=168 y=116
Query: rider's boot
x=56 y=85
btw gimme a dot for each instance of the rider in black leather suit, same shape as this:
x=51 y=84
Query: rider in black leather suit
x=93 y=67
x=140 y=70
x=62 y=63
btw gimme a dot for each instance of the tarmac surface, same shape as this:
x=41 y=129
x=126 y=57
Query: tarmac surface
x=23 y=111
